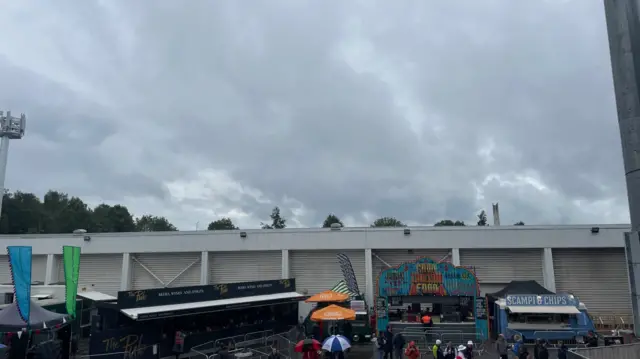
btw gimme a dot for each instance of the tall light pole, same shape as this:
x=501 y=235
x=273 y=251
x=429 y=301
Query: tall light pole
x=623 y=26
x=11 y=128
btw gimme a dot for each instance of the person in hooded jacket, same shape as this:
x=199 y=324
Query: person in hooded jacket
x=468 y=353
x=412 y=351
x=449 y=351
x=502 y=347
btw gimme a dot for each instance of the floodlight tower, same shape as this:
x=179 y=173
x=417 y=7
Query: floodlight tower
x=11 y=128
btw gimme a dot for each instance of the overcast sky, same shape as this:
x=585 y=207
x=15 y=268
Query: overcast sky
x=422 y=110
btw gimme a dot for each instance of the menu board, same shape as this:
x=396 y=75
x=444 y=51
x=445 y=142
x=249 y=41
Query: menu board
x=381 y=308
x=481 y=308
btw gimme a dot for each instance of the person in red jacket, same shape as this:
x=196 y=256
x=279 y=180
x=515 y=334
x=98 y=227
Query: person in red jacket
x=412 y=351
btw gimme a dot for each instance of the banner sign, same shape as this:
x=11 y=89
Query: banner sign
x=348 y=273
x=20 y=268
x=427 y=277
x=481 y=308
x=71 y=263
x=202 y=293
x=542 y=300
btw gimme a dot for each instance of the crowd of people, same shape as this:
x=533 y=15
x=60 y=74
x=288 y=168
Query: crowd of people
x=392 y=346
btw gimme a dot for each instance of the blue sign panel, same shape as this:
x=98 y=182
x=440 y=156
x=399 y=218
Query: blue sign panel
x=544 y=300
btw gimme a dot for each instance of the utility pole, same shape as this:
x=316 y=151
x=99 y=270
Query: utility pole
x=623 y=27
x=11 y=128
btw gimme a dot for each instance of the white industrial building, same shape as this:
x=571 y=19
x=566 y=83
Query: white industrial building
x=588 y=261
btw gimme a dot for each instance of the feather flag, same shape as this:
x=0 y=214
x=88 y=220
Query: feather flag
x=71 y=262
x=20 y=267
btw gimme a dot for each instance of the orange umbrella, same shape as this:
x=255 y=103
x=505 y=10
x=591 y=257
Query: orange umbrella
x=328 y=296
x=333 y=312
x=426 y=319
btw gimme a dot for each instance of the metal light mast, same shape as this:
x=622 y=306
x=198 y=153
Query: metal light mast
x=11 y=128
x=623 y=27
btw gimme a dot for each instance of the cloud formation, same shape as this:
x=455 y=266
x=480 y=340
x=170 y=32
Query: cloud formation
x=419 y=110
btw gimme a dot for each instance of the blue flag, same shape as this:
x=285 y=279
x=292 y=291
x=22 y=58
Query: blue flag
x=20 y=266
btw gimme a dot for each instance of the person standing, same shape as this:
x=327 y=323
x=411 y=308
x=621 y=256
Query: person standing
x=388 y=344
x=502 y=347
x=468 y=353
x=536 y=349
x=381 y=345
x=562 y=350
x=412 y=351
x=437 y=351
x=523 y=353
x=543 y=352
x=449 y=351
x=398 y=345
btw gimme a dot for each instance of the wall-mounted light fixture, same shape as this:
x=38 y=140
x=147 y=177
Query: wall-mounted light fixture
x=595 y=230
x=243 y=234
x=407 y=232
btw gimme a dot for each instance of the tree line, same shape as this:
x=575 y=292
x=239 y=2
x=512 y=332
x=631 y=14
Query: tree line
x=57 y=212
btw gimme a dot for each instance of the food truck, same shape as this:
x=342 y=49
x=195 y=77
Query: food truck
x=551 y=317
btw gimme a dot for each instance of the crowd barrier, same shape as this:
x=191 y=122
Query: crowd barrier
x=625 y=351
x=238 y=341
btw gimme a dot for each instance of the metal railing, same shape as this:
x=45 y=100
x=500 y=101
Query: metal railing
x=624 y=351
x=206 y=349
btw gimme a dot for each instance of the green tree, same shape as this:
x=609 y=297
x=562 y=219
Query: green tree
x=448 y=222
x=331 y=219
x=519 y=223
x=149 y=223
x=223 y=223
x=482 y=218
x=387 y=222
x=22 y=213
x=64 y=214
x=115 y=218
x=277 y=221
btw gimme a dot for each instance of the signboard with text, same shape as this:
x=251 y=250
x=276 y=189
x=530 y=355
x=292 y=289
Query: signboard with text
x=202 y=293
x=427 y=277
x=543 y=300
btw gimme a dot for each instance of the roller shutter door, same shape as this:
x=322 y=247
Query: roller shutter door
x=395 y=257
x=504 y=265
x=172 y=270
x=317 y=271
x=245 y=266
x=98 y=272
x=38 y=269
x=598 y=277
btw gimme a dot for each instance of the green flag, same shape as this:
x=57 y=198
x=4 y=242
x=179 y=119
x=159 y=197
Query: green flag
x=71 y=262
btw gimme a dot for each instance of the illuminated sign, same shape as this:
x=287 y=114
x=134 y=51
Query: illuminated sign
x=547 y=299
x=427 y=277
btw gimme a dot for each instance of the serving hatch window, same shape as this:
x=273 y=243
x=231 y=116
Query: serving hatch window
x=539 y=318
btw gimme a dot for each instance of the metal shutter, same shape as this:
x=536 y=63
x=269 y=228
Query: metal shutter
x=597 y=276
x=173 y=270
x=38 y=269
x=395 y=257
x=317 y=271
x=504 y=265
x=245 y=266
x=98 y=272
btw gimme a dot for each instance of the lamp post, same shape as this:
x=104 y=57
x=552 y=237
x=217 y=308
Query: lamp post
x=11 y=128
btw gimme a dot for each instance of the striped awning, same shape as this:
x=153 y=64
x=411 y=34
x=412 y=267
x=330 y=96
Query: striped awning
x=341 y=287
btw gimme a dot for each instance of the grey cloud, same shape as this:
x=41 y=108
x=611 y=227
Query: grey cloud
x=349 y=108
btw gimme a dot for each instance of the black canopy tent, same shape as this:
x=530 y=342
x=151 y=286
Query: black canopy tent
x=520 y=287
x=39 y=318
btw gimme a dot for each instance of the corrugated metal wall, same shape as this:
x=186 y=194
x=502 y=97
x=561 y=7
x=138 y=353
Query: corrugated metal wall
x=38 y=269
x=504 y=265
x=165 y=266
x=98 y=272
x=395 y=257
x=317 y=271
x=598 y=277
x=246 y=266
